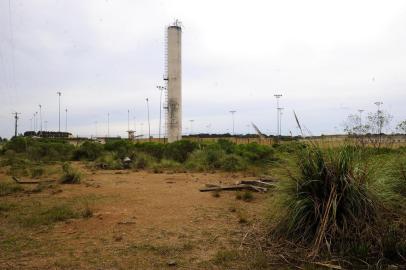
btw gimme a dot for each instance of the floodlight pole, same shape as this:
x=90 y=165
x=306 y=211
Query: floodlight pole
x=59 y=114
x=232 y=115
x=278 y=130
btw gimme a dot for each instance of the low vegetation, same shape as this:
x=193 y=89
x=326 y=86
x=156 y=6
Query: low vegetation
x=330 y=205
x=21 y=154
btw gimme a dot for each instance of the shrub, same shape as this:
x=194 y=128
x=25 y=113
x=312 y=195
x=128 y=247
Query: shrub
x=156 y=150
x=142 y=161
x=88 y=151
x=254 y=152
x=180 y=150
x=122 y=148
x=226 y=145
x=109 y=161
x=329 y=201
x=70 y=175
x=233 y=163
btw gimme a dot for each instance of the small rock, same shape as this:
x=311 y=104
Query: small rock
x=171 y=263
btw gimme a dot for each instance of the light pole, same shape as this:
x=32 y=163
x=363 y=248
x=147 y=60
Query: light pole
x=160 y=88
x=40 y=116
x=149 y=124
x=232 y=116
x=280 y=120
x=59 y=114
x=277 y=96
x=66 y=119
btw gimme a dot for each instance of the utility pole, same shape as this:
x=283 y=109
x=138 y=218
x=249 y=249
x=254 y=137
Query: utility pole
x=232 y=116
x=278 y=130
x=66 y=119
x=59 y=111
x=160 y=88
x=40 y=117
x=16 y=122
x=149 y=124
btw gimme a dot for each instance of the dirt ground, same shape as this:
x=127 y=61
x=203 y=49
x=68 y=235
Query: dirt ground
x=140 y=220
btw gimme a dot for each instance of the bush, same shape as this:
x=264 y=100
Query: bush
x=70 y=175
x=142 y=161
x=156 y=150
x=123 y=148
x=180 y=150
x=233 y=163
x=329 y=201
x=109 y=161
x=255 y=153
x=88 y=151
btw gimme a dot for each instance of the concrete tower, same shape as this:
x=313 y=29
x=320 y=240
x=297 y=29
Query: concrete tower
x=174 y=77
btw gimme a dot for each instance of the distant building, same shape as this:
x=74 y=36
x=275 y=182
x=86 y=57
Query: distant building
x=48 y=134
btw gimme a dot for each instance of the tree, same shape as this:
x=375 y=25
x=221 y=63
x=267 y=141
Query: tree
x=401 y=127
x=372 y=130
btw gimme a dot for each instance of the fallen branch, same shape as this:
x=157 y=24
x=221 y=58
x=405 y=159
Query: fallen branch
x=256 y=183
x=31 y=181
x=234 y=187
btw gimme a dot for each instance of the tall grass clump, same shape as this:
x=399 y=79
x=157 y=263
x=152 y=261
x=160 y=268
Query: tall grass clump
x=328 y=204
x=70 y=174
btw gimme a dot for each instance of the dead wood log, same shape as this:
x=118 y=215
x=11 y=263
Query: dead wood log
x=234 y=187
x=19 y=181
x=256 y=183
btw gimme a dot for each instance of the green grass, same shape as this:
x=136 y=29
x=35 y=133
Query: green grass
x=332 y=202
x=7 y=188
x=70 y=175
x=225 y=257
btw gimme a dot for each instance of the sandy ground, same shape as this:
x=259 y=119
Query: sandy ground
x=140 y=220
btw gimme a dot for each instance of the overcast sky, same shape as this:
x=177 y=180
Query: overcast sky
x=327 y=58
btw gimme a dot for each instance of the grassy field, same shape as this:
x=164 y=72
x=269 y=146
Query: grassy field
x=340 y=206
